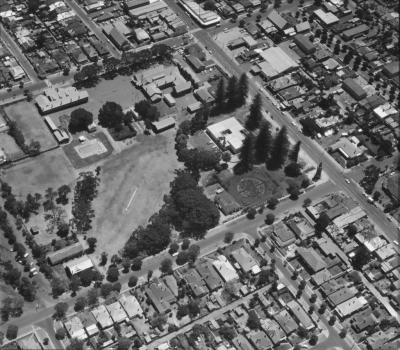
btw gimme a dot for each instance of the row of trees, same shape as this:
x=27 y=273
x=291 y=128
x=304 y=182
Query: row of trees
x=31 y=149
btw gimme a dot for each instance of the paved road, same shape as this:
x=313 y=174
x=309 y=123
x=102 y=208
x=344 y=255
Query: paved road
x=312 y=148
x=93 y=27
x=17 y=53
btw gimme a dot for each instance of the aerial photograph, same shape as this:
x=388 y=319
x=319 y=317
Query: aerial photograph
x=199 y=175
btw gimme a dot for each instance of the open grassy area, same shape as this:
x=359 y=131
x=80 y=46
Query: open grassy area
x=132 y=187
x=31 y=123
x=78 y=162
x=51 y=169
x=10 y=147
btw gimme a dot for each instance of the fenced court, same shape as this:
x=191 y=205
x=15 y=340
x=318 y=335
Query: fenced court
x=90 y=148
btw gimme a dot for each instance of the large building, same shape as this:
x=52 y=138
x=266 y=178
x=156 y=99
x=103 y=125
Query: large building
x=55 y=99
x=354 y=89
x=66 y=253
x=276 y=63
x=229 y=134
x=203 y=17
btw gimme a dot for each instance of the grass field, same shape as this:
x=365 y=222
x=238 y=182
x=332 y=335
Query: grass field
x=51 y=169
x=31 y=124
x=132 y=187
x=10 y=147
x=78 y=162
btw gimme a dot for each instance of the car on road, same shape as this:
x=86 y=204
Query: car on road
x=347 y=181
x=396 y=242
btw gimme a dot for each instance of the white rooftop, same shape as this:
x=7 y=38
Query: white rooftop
x=80 y=264
x=229 y=132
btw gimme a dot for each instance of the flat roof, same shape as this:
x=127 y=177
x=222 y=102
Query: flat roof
x=244 y=259
x=326 y=17
x=312 y=259
x=80 y=264
x=65 y=253
x=131 y=305
x=276 y=62
x=229 y=131
x=117 y=312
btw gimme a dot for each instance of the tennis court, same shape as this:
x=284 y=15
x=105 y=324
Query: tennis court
x=90 y=148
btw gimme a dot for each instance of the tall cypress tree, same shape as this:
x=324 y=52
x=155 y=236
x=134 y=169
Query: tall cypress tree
x=318 y=173
x=263 y=143
x=255 y=116
x=280 y=149
x=243 y=89
x=246 y=155
x=231 y=92
x=220 y=95
x=294 y=154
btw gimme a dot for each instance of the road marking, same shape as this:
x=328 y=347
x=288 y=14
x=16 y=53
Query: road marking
x=131 y=199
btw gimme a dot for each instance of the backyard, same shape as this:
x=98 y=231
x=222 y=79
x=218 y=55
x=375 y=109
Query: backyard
x=133 y=184
x=31 y=124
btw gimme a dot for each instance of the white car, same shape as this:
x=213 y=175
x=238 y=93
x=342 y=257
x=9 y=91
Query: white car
x=347 y=181
x=396 y=242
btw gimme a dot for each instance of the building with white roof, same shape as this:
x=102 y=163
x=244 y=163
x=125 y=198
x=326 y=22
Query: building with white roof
x=385 y=110
x=204 y=17
x=351 y=306
x=229 y=134
x=75 y=328
x=17 y=72
x=78 y=265
x=225 y=269
x=116 y=311
x=276 y=62
x=55 y=99
x=327 y=18
x=131 y=305
x=102 y=317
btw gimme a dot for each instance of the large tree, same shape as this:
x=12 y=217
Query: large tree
x=280 y=150
x=80 y=120
x=294 y=153
x=220 y=96
x=111 y=115
x=232 y=92
x=243 y=89
x=263 y=143
x=246 y=155
x=255 y=116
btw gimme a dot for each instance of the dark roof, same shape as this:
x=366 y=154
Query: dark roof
x=65 y=253
x=391 y=68
x=351 y=33
x=227 y=203
x=118 y=38
x=355 y=90
x=277 y=20
x=304 y=43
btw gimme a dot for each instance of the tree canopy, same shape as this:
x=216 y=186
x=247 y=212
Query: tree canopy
x=80 y=120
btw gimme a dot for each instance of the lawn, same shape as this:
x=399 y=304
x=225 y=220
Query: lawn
x=77 y=161
x=133 y=184
x=31 y=124
x=10 y=147
x=50 y=169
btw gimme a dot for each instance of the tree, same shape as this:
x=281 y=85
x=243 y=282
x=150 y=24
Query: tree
x=80 y=304
x=183 y=310
x=269 y=219
x=132 y=281
x=263 y=277
x=280 y=149
x=80 y=119
x=27 y=289
x=173 y=248
x=332 y=320
x=136 y=264
x=231 y=289
x=193 y=252
x=91 y=241
x=227 y=332
x=255 y=116
x=322 y=222
x=124 y=343
x=220 y=96
x=112 y=273
x=60 y=333
x=307 y=202
x=361 y=257
x=352 y=230
x=228 y=237
x=75 y=344
x=243 y=89
x=272 y=203
x=12 y=331
x=318 y=173
x=33 y=6
x=182 y=258
x=106 y=289
x=209 y=5
x=92 y=296
x=74 y=284
x=294 y=191
x=166 y=266
x=111 y=115
x=185 y=244
x=58 y=286
x=232 y=92
x=302 y=332
x=246 y=155
x=294 y=154
x=193 y=308
x=263 y=143
x=343 y=333
x=60 y=310
x=199 y=121
x=322 y=308
x=149 y=275
x=251 y=213
x=63 y=192
x=313 y=339
x=293 y=170
x=253 y=321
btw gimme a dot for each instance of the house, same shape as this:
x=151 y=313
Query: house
x=354 y=89
x=350 y=151
x=89 y=323
x=277 y=20
x=351 y=306
x=286 y=322
x=276 y=62
x=118 y=39
x=304 y=44
x=260 y=340
x=228 y=134
x=241 y=343
x=116 y=312
x=226 y=203
x=209 y=275
x=102 y=317
x=195 y=63
x=391 y=186
x=203 y=95
x=182 y=87
x=327 y=19
x=172 y=284
x=311 y=259
x=163 y=124
x=341 y=295
x=141 y=35
x=131 y=305
x=282 y=235
x=29 y=342
x=78 y=265
x=363 y=320
x=274 y=332
x=300 y=314
x=245 y=260
x=225 y=269
x=391 y=69
x=195 y=282
x=355 y=32
x=152 y=92
x=64 y=254
x=169 y=100
x=303 y=27
x=160 y=296
x=75 y=328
